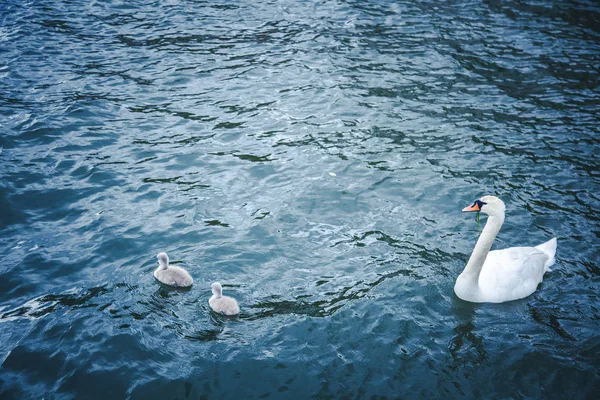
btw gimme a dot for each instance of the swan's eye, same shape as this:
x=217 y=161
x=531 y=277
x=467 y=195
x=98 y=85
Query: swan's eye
x=479 y=204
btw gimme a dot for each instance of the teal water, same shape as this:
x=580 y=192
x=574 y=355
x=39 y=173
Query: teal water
x=314 y=157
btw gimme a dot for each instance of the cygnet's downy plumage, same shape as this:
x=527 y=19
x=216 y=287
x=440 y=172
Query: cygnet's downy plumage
x=171 y=275
x=222 y=304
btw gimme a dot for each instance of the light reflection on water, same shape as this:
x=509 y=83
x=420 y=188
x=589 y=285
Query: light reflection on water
x=210 y=131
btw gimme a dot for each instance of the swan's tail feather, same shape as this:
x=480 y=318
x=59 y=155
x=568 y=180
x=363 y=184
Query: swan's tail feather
x=548 y=248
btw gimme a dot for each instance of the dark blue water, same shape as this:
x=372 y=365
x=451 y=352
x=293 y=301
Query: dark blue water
x=314 y=158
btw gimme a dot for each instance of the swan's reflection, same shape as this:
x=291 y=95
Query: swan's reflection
x=466 y=347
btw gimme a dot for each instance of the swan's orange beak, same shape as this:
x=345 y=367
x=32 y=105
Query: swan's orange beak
x=471 y=208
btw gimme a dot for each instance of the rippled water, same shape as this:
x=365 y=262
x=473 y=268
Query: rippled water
x=313 y=157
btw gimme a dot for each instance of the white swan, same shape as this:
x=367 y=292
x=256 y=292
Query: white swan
x=171 y=275
x=501 y=275
x=222 y=304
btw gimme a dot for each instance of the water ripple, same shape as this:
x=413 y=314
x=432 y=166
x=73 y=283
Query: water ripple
x=314 y=158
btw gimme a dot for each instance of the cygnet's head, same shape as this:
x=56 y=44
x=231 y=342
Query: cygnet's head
x=163 y=259
x=217 y=290
x=490 y=205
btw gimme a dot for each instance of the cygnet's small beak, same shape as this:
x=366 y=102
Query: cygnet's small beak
x=471 y=208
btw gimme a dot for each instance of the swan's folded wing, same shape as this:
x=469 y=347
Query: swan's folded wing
x=512 y=273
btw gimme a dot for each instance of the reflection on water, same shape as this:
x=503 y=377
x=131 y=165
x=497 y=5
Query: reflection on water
x=314 y=158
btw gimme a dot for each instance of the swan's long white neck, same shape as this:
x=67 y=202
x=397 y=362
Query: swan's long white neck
x=483 y=246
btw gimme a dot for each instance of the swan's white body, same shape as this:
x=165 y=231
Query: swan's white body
x=501 y=275
x=222 y=304
x=171 y=275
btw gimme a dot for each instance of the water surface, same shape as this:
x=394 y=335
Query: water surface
x=314 y=158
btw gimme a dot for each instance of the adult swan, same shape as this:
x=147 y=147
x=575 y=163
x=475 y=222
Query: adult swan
x=501 y=275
